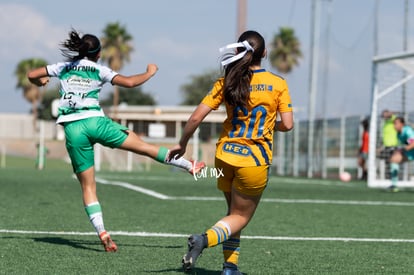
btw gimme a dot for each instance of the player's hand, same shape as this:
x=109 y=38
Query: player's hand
x=43 y=81
x=176 y=152
x=152 y=69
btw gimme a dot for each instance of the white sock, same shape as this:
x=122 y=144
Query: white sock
x=94 y=212
x=97 y=222
x=181 y=162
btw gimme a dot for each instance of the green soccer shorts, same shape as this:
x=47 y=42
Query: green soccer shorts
x=82 y=134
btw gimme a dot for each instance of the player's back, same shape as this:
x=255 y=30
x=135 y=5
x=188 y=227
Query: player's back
x=247 y=136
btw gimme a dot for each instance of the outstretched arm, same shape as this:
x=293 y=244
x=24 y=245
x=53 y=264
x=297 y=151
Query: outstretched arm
x=38 y=76
x=193 y=122
x=135 y=80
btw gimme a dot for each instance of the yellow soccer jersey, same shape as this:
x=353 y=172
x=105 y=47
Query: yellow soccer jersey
x=247 y=136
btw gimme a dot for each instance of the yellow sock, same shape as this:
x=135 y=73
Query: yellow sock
x=231 y=250
x=219 y=233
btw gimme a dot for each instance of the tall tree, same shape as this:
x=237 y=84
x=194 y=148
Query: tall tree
x=116 y=50
x=198 y=87
x=285 y=50
x=31 y=92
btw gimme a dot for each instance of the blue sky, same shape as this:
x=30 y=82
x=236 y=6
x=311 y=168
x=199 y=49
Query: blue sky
x=183 y=38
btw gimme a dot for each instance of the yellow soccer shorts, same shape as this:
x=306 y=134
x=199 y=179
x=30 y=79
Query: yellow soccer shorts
x=249 y=181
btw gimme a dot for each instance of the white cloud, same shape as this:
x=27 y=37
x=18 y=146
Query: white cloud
x=27 y=33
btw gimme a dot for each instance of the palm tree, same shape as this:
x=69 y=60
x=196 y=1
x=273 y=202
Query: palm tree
x=285 y=50
x=116 y=49
x=31 y=92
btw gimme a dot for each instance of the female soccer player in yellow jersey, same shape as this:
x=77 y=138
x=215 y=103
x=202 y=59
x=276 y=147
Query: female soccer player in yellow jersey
x=81 y=79
x=253 y=98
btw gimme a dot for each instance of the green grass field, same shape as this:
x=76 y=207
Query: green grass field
x=301 y=227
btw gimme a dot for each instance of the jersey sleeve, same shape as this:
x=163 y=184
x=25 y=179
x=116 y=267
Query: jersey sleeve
x=107 y=74
x=284 y=101
x=215 y=97
x=54 y=70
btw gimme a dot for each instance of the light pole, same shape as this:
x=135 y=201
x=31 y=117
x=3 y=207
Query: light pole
x=241 y=17
x=405 y=48
x=313 y=79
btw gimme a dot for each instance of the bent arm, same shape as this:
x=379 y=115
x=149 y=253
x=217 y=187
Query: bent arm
x=286 y=122
x=38 y=77
x=135 y=80
x=193 y=122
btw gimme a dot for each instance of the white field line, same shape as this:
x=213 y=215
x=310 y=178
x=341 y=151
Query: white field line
x=175 y=235
x=271 y=180
x=154 y=178
x=134 y=187
x=271 y=200
x=311 y=181
x=309 y=201
x=340 y=202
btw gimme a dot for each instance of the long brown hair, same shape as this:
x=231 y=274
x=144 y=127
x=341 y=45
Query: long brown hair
x=237 y=75
x=76 y=47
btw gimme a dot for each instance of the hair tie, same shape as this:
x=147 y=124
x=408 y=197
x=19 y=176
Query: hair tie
x=96 y=50
x=244 y=44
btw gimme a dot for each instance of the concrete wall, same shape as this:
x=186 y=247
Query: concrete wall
x=21 y=126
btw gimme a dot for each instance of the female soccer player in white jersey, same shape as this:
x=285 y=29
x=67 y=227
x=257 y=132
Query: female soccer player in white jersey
x=81 y=79
x=253 y=97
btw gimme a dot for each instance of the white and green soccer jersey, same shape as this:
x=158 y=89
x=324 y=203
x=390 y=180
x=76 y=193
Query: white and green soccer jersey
x=80 y=84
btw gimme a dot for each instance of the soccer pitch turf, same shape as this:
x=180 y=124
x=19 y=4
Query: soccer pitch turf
x=302 y=226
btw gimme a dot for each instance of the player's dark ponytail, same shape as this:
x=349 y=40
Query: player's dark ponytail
x=238 y=75
x=76 y=47
x=237 y=81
